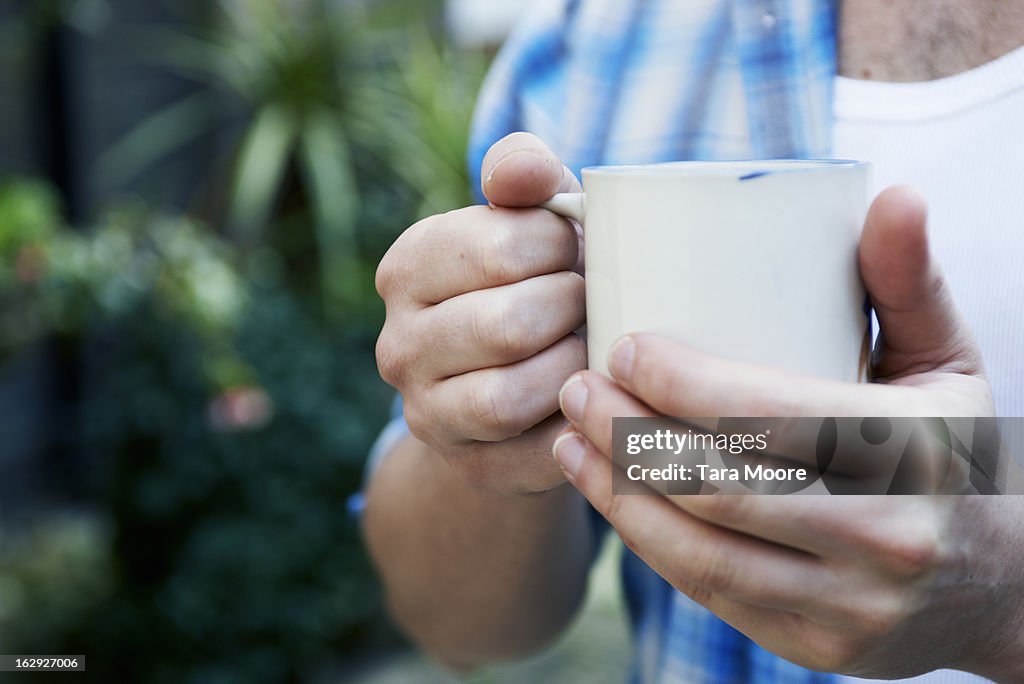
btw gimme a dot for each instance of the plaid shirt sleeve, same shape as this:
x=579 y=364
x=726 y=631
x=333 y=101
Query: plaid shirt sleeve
x=639 y=81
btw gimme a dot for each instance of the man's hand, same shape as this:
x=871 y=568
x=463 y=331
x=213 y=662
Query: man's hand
x=873 y=586
x=481 y=307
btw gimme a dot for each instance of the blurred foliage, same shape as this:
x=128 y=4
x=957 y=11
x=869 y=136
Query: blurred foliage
x=29 y=218
x=227 y=426
x=52 y=577
x=328 y=92
x=234 y=541
x=230 y=394
x=59 y=280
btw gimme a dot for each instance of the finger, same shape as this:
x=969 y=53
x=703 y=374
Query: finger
x=521 y=171
x=808 y=523
x=498 y=326
x=691 y=554
x=923 y=329
x=478 y=248
x=590 y=400
x=495 y=404
x=474 y=249
x=677 y=380
x=900 y=538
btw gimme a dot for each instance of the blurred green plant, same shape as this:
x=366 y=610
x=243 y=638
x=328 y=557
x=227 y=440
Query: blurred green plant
x=291 y=71
x=428 y=137
x=29 y=218
x=227 y=402
x=51 y=577
x=327 y=90
x=55 y=280
x=237 y=558
x=228 y=428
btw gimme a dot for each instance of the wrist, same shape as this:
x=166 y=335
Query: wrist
x=998 y=651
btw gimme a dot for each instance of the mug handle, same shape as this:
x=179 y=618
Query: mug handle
x=572 y=205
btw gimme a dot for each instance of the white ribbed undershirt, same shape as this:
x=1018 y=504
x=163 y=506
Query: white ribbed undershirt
x=960 y=141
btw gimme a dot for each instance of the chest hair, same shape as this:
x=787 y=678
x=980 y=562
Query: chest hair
x=921 y=40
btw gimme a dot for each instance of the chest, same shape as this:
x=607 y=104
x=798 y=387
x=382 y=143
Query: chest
x=922 y=40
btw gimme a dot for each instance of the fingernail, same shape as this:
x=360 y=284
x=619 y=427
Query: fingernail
x=620 y=358
x=490 y=174
x=504 y=158
x=568 y=450
x=573 y=398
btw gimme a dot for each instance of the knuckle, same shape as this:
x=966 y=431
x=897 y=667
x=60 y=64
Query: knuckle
x=433 y=425
x=399 y=262
x=728 y=510
x=495 y=256
x=503 y=327
x=491 y=409
x=912 y=551
x=390 y=359
x=904 y=542
x=432 y=419
x=917 y=556
x=387 y=274
x=715 y=571
x=417 y=421
x=427 y=421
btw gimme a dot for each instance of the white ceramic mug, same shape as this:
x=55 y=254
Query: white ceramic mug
x=755 y=261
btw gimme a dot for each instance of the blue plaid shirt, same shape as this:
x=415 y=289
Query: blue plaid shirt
x=639 y=81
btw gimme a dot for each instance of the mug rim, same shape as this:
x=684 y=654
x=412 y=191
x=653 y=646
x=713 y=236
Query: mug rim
x=744 y=169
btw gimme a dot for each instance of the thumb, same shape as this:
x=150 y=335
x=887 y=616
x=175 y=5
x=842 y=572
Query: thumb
x=921 y=329
x=521 y=171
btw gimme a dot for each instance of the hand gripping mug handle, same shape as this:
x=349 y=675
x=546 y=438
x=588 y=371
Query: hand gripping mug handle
x=572 y=205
